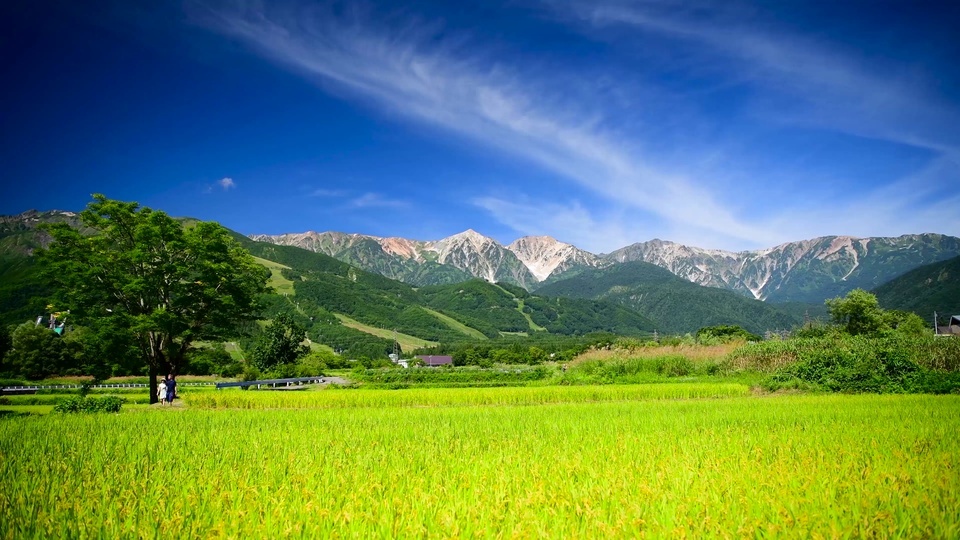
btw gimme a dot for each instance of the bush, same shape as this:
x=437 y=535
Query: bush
x=71 y=404
x=862 y=364
x=77 y=404
x=250 y=373
x=231 y=370
x=674 y=366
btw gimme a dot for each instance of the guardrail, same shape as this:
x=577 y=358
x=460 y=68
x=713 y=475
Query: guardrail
x=34 y=388
x=272 y=382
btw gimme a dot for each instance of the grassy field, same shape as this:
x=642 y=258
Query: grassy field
x=533 y=326
x=280 y=284
x=559 y=466
x=456 y=325
x=407 y=342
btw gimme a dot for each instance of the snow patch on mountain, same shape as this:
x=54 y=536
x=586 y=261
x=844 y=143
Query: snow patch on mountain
x=543 y=255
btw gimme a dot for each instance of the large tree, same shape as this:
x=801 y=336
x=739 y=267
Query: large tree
x=281 y=343
x=166 y=283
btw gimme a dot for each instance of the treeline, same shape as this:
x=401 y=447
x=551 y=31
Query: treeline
x=529 y=350
x=675 y=304
x=324 y=327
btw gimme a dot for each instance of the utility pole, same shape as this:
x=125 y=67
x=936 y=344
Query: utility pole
x=396 y=346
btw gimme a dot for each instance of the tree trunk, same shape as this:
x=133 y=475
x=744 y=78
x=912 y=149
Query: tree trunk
x=153 y=384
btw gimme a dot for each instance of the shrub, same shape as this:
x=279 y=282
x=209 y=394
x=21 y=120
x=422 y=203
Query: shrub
x=76 y=404
x=864 y=364
x=250 y=373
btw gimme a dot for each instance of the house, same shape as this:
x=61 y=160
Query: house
x=951 y=329
x=433 y=361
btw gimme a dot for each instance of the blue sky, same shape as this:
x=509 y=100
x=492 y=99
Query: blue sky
x=601 y=123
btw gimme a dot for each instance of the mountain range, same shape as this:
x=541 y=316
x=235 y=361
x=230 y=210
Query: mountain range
x=807 y=271
x=469 y=284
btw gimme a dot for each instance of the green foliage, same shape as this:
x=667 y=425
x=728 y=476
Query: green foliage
x=23 y=291
x=478 y=299
x=725 y=333
x=317 y=362
x=514 y=290
x=168 y=285
x=250 y=373
x=857 y=313
x=532 y=349
x=925 y=290
x=36 y=353
x=675 y=304
x=6 y=343
x=105 y=349
x=280 y=344
x=844 y=363
x=455 y=377
x=82 y=404
x=815 y=329
x=573 y=316
x=212 y=360
x=637 y=370
x=905 y=323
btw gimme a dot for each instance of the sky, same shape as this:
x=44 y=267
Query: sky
x=727 y=125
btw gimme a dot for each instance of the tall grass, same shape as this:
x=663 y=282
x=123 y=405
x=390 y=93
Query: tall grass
x=693 y=352
x=795 y=466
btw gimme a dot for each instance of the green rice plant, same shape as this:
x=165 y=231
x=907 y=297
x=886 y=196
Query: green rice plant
x=450 y=397
x=53 y=399
x=840 y=466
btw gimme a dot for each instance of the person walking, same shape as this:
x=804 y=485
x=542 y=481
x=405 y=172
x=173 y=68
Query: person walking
x=162 y=390
x=171 y=388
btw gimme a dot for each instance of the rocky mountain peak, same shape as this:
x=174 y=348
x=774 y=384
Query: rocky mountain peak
x=806 y=270
x=545 y=255
x=401 y=247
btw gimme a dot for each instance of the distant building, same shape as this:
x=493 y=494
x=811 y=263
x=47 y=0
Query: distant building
x=952 y=328
x=433 y=361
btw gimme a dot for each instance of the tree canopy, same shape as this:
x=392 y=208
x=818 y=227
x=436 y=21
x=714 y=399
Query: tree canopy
x=859 y=313
x=280 y=343
x=166 y=284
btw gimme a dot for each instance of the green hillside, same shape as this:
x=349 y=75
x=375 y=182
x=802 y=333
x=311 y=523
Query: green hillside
x=676 y=304
x=22 y=293
x=512 y=309
x=627 y=299
x=476 y=307
x=933 y=287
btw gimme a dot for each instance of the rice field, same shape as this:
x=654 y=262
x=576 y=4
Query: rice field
x=795 y=466
x=447 y=397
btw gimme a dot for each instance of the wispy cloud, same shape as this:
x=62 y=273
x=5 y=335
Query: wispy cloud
x=919 y=202
x=404 y=67
x=822 y=84
x=224 y=184
x=323 y=192
x=375 y=200
x=572 y=223
x=487 y=101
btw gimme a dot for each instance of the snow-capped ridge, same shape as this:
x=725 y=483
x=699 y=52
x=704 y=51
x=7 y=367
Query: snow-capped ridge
x=789 y=271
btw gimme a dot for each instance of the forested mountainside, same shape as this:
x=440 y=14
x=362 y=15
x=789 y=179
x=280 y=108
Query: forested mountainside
x=675 y=303
x=807 y=271
x=925 y=290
